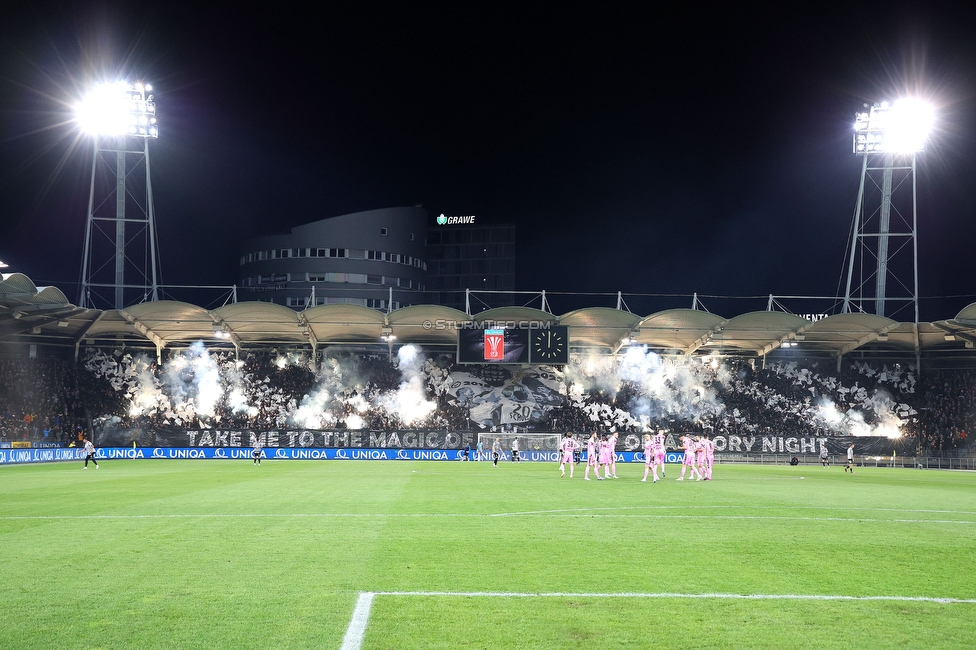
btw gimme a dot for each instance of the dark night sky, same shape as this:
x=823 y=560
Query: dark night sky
x=644 y=151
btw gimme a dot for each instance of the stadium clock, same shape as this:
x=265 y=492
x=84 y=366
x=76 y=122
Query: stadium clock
x=550 y=345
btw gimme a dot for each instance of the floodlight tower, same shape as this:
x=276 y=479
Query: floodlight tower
x=888 y=138
x=121 y=118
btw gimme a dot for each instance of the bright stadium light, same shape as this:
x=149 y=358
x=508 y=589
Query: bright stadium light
x=888 y=138
x=899 y=128
x=120 y=109
x=120 y=117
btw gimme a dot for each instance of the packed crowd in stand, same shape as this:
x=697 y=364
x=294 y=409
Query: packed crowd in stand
x=53 y=400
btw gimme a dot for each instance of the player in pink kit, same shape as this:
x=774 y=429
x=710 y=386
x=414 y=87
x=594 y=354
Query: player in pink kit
x=604 y=457
x=659 y=450
x=700 y=457
x=650 y=458
x=709 y=456
x=613 y=454
x=567 y=447
x=689 y=447
x=591 y=457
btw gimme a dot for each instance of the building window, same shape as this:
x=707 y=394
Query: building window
x=337 y=252
x=411 y=237
x=383 y=231
x=374 y=279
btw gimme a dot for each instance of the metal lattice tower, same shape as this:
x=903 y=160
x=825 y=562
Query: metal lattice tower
x=882 y=267
x=120 y=262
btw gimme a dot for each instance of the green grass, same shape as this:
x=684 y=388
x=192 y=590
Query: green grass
x=207 y=554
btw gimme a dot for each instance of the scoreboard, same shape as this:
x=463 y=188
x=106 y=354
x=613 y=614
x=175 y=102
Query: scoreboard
x=514 y=345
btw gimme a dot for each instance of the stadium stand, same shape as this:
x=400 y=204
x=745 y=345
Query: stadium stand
x=261 y=366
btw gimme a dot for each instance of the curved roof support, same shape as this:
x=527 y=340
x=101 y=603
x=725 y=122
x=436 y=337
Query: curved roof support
x=867 y=338
x=705 y=338
x=80 y=336
x=234 y=338
x=143 y=329
x=957 y=333
x=791 y=336
x=313 y=340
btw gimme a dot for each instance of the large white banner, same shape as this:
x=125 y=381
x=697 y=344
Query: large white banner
x=496 y=395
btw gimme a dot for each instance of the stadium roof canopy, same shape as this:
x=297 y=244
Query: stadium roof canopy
x=29 y=314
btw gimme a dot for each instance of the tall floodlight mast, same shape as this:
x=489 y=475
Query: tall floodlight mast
x=883 y=258
x=121 y=118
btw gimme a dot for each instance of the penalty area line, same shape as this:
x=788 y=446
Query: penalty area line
x=559 y=594
x=356 y=631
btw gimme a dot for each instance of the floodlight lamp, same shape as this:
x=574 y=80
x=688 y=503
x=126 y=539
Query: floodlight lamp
x=112 y=109
x=899 y=128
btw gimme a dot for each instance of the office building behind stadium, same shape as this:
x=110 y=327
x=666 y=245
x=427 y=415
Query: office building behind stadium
x=464 y=254
x=384 y=259
x=375 y=258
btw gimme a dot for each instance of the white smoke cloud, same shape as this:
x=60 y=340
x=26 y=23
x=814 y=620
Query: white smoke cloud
x=409 y=402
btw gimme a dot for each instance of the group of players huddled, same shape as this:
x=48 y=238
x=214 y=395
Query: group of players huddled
x=601 y=453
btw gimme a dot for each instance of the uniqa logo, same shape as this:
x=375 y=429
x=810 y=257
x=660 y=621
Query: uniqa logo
x=441 y=220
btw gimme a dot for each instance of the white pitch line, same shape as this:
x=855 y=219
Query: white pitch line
x=565 y=512
x=356 y=631
x=512 y=594
x=591 y=513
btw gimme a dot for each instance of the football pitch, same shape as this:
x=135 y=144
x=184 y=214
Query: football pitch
x=376 y=554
